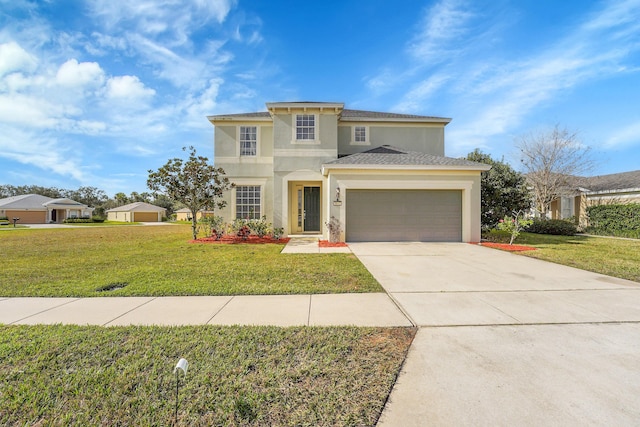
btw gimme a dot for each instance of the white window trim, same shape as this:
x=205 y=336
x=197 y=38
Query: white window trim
x=353 y=135
x=257 y=141
x=242 y=182
x=316 y=120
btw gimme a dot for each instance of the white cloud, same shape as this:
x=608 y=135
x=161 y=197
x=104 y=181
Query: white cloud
x=14 y=58
x=74 y=74
x=624 y=137
x=175 y=18
x=42 y=151
x=415 y=99
x=443 y=24
x=127 y=87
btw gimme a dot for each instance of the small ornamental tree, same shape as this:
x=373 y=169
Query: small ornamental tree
x=503 y=190
x=194 y=183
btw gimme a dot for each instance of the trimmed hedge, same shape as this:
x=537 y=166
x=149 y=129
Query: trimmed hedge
x=615 y=220
x=552 y=226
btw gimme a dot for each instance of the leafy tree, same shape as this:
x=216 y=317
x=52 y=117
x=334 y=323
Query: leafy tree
x=90 y=196
x=194 y=183
x=503 y=190
x=121 y=199
x=552 y=162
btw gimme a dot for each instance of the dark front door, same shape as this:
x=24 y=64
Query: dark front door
x=311 y=208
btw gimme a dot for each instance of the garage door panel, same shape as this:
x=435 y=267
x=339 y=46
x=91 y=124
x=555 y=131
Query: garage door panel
x=404 y=215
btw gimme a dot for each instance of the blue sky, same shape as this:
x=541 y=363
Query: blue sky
x=96 y=93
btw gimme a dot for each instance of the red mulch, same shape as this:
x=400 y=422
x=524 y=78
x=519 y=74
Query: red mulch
x=233 y=240
x=508 y=247
x=328 y=244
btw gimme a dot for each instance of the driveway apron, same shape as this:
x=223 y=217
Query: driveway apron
x=508 y=340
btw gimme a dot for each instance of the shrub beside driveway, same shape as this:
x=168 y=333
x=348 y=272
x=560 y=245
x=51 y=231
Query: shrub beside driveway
x=158 y=261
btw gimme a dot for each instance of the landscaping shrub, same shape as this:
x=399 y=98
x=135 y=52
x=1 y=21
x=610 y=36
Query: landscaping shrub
x=558 y=227
x=77 y=220
x=497 y=236
x=259 y=227
x=615 y=220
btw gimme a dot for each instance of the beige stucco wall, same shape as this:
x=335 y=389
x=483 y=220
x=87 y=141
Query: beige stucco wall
x=119 y=216
x=466 y=181
x=428 y=138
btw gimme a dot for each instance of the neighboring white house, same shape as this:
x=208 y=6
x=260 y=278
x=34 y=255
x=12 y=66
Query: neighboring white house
x=383 y=176
x=137 y=212
x=37 y=209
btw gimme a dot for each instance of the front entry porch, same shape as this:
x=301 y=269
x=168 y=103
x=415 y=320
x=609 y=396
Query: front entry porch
x=305 y=207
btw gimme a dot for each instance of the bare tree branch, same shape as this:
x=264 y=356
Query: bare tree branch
x=553 y=162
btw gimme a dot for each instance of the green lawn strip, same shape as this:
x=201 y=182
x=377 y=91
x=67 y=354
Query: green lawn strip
x=612 y=257
x=85 y=375
x=157 y=261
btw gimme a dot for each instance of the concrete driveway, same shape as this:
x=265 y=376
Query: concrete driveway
x=509 y=340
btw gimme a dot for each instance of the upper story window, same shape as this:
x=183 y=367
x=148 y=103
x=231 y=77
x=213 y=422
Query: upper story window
x=305 y=127
x=248 y=140
x=360 y=134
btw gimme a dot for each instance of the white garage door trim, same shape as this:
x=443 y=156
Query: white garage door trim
x=464 y=186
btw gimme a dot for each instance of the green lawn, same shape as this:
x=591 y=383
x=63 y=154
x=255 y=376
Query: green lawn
x=155 y=261
x=242 y=376
x=613 y=257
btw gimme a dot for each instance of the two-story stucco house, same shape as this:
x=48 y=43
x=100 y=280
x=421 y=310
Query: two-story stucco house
x=383 y=176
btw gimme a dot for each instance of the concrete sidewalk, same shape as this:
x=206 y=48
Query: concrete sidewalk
x=372 y=309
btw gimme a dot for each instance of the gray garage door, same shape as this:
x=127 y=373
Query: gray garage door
x=404 y=215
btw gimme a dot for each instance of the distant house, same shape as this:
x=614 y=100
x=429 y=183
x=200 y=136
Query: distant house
x=382 y=176
x=184 y=214
x=137 y=212
x=37 y=209
x=617 y=188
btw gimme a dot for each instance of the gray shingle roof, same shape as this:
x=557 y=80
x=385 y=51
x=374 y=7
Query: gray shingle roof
x=25 y=201
x=138 y=207
x=615 y=181
x=362 y=114
x=347 y=114
x=388 y=155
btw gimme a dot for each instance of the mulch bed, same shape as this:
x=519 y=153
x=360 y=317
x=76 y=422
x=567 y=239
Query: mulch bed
x=508 y=247
x=328 y=244
x=230 y=240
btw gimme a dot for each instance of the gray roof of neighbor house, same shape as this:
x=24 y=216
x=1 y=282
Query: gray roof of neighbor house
x=25 y=201
x=37 y=202
x=138 y=207
x=389 y=156
x=346 y=115
x=615 y=181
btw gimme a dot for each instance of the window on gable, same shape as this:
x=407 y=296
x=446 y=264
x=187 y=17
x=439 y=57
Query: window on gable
x=248 y=140
x=248 y=202
x=305 y=127
x=360 y=134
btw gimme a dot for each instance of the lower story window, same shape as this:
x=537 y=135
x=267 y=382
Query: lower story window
x=248 y=202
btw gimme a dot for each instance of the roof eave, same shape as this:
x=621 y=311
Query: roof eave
x=441 y=120
x=620 y=190
x=327 y=167
x=239 y=118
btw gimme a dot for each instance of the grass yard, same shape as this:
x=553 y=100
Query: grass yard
x=613 y=257
x=159 y=260
x=237 y=376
